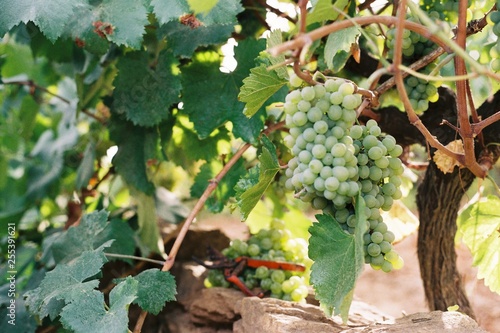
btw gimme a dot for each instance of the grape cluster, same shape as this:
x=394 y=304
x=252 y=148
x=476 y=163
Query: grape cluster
x=334 y=160
x=414 y=45
x=273 y=244
x=421 y=92
x=495 y=50
x=444 y=10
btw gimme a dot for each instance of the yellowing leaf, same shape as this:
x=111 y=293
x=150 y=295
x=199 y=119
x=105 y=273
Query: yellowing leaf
x=446 y=163
x=479 y=228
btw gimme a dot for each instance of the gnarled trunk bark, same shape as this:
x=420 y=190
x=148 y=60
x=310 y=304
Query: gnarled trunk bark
x=438 y=202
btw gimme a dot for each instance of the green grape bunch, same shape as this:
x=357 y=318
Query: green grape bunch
x=421 y=92
x=274 y=244
x=495 y=50
x=414 y=45
x=334 y=159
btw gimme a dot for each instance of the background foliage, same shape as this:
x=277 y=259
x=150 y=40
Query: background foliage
x=115 y=114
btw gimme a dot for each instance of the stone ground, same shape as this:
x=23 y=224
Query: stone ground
x=401 y=292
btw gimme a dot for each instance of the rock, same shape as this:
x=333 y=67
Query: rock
x=277 y=316
x=179 y=322
x=215 y=306
x=432 y=322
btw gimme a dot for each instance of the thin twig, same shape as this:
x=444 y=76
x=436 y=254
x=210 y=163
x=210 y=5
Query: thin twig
x=125 y=256
x=276 y=11
x=478 y=127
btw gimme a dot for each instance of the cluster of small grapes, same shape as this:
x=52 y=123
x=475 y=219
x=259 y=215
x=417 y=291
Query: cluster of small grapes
x=273 y=244
x=334 y=160
x=495 y=50
x=414 y=45
x=443 y=10
x=421 y=92
x=379 y=171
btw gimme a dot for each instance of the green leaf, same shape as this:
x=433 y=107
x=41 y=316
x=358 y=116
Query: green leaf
x=258 y=88
x=144 y=94
x=49 y=15
x=149 y=233
x=202 y=6
x=210 y=96
x=86 y=312
x=224 y=12
x=338 y=260
x=269 y=167
x=206 y=149
x=155 y=289
x=184 y=40
x=340 y=41
x=479 y=228
x=167 y=11
x=63 y=283
x=135 y=147
x=275 y=38
x=126 y=17
x=80 y=238
x=86 y=167
x=323 y=10
x=225 y=188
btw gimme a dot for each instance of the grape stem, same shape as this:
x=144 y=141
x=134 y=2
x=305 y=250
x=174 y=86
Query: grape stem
x=169 y=262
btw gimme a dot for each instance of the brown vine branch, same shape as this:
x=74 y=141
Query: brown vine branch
x=198 y=207
x=479 y=126
x=276 y=11
x=465 y=129
x=316 y=34
x=398 y=77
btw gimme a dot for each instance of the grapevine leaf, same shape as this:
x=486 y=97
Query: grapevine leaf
x=206 y=149
x=144 y=94
x=63 y=282
x=269 y=167
x=224 y=12
x=80 y=238
x=323 y=10
x=338 y=261
x=86 y=312
x=167 y=11
x=134 y=146
x=275 y=38
x=203 y=81
x=151 y=282
x=246 y=182
x=225 y=188
x=184 y=40
x=340 y=41
x=202 y=6
x=479 y=228
x=49 y=15
x=124 y=19
x=86 y=168
x=258 y=87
